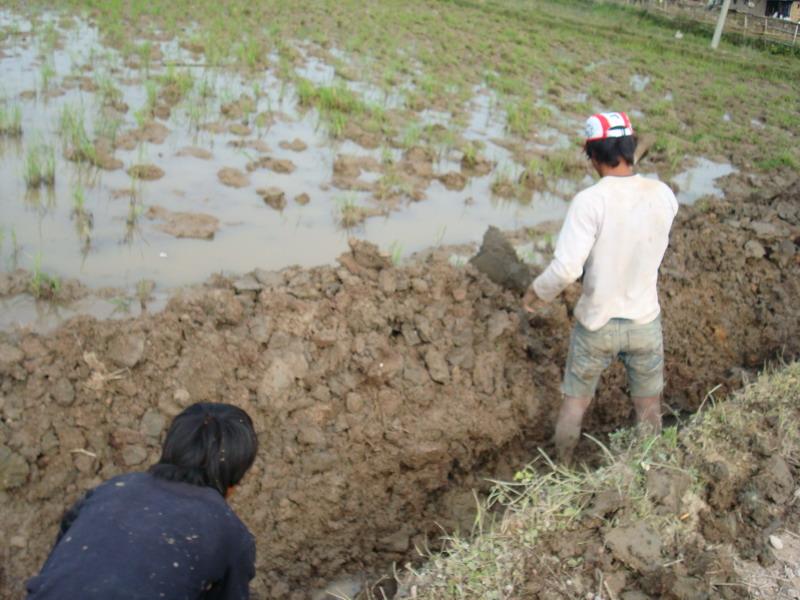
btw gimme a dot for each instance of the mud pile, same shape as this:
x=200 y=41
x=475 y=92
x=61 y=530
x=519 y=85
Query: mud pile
x=376 y=390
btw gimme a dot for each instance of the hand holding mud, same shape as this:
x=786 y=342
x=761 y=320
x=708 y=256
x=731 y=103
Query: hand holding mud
x=531 y=303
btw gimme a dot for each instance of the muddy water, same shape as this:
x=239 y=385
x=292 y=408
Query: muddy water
x=305 y=235
x=127 y=247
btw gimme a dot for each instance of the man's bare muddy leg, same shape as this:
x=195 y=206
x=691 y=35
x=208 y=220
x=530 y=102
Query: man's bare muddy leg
x=648 y=413
x=568 y=426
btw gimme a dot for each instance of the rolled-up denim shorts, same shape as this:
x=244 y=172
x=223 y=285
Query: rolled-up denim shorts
x=640 y=346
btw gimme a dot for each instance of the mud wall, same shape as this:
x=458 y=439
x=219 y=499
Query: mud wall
x=374 y=388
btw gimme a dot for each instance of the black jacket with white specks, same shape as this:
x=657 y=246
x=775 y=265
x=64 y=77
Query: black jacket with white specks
x=136 y=537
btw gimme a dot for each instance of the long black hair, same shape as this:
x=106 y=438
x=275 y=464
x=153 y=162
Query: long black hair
x=208 y=444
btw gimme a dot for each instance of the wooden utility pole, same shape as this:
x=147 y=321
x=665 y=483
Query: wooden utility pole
x=723 y=13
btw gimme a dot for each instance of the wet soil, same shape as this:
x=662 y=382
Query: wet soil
x=378 y=391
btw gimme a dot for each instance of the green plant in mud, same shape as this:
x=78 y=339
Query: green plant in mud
x=84 y=220
x=122 y=304
x=546 y=169
x=504 y=183
x=350 y=213
x=336 y=104
x=107 y=125
x=175 y=85
x=46 y=75
x=144 y=291
x=11 y=120
x=135 y=211
x=40 y=166
x=396 y=252
x=75 y=140
x=411 y=135
x=48 y=39
x=108 y=93
x=40 y=284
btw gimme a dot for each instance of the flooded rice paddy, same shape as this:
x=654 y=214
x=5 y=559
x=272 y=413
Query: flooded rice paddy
x=166 y=169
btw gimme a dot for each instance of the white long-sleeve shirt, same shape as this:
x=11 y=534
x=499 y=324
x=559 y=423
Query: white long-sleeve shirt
x=615 y=234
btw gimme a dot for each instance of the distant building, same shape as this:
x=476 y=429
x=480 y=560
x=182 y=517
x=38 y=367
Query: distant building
x=782 y=9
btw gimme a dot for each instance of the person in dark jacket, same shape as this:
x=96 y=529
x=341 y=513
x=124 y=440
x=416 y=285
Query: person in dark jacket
x=167 y=533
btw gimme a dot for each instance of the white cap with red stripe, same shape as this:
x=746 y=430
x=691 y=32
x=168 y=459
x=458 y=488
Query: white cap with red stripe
x=608 y=125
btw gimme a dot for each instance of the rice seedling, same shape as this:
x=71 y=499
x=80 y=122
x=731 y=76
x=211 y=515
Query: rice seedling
x=46 y=75
x=396 y=251
x=107 y=125
x=144 y=290
x=135 y=211
x=145 y=51
x=411 y=135
x=107 y=91
x=11 y=120
x=72 y=127
x=40 y=166
x=48 y=40
x=177 y=83
x=40 y=284
x=350 y=214
x=84 y=220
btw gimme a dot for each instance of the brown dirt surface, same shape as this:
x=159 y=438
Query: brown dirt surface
x=233 y=177
x=184 y=224
x=377 y=391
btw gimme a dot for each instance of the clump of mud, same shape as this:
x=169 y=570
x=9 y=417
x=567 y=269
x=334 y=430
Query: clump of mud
x=376 y=390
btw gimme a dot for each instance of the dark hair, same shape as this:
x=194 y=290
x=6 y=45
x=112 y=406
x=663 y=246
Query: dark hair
x=610 y=150
x=208 y=444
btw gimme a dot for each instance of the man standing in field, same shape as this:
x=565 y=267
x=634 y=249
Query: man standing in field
x=614 y=235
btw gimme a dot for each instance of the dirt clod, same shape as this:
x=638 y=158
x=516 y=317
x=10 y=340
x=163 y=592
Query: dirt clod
x=14 y=469
x=233 y=177
x=273 y=196
x=279 y=165
x=184 y=224
x=196 y=152
x=146 y=172
x=296 y=145
x=126 y=350
x=499 y=261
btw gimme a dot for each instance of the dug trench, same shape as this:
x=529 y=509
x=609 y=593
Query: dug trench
x=380 y=393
